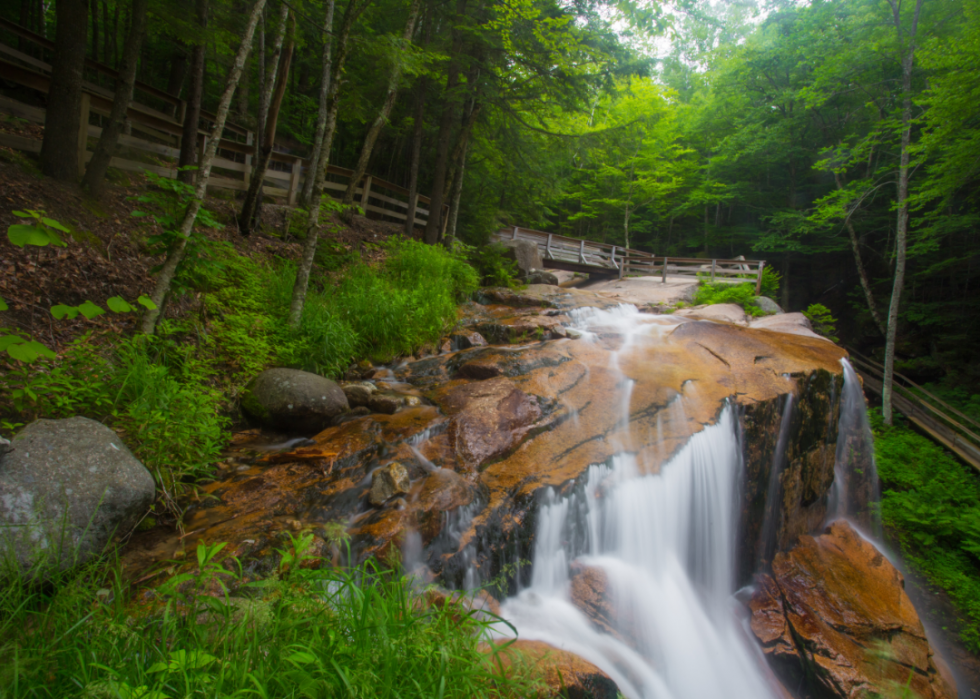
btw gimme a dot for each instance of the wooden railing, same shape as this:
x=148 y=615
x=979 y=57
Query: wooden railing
x=603 y=259
x=156 y=137
x=953 y=429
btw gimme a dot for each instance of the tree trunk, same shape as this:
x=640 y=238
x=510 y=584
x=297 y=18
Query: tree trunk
x=176 y=254
x=94 y=180
x=59 y=149
x=460 y=169
x=351 y=13
x=108 y=37
x=321 y=116
x=433 y=225
x=413 y=177
x=192 y=115
x=25 y=21
x=862 y=273
x=250 y=206
x=379 y=121
x=178 y=74
x=94 y=14
x=902 y=224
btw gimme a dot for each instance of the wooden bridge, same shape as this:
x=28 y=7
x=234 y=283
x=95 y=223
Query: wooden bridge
x=155 y=127
x=942 y=422
x=604 y=260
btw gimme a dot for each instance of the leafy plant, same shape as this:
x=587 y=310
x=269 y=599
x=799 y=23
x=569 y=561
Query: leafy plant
x=823 y=320
x=494 y=268
x=720 y=292
x=771 y=281
x=43 y=232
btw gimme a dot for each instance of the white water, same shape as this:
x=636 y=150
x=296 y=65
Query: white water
x=666 y=544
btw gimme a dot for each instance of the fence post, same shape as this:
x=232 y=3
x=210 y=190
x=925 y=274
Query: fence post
x=663 y=278
x=83 y=132
x=366 y=192
x=758 y=281
x=581 y=251
x=548 y=248
x=514 y=235
x=249 y=140
x=294 y=180
x=713 y=264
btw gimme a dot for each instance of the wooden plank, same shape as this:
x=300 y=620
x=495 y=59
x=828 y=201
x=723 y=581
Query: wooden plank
x=21 y=110
x=29 y=145
x=758 y=283
x=23 y=57
x=83 y=110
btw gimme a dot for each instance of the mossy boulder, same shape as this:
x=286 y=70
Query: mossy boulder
x=293 y=400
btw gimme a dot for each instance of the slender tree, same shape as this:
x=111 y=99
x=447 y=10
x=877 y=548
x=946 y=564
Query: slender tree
x=94 y=180
x=192 y=116
x=59 y=149
x=321 y=116
x=176 y=252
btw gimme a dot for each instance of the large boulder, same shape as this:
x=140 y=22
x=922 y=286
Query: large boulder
x=65 y=489
x=724 y=312
x=525 y=254
x=564 y=674
x=768 y=305
x=293 y=400
x=835 y=610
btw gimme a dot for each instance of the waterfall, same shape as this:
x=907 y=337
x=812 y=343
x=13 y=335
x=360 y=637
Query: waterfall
x=664 y=543
x=856 y=491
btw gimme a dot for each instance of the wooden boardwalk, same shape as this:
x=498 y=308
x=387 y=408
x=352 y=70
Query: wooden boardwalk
x=604 y=260
x=942 y=422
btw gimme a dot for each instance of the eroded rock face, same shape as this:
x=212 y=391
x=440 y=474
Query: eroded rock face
x=293 y=400
x=565 y=674
x=66 y=487
x=387 y=482
x=836 y=610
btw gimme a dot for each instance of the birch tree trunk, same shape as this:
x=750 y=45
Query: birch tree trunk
x=321 y=116
x=269 y=80
x=176 y=253
x=94 y=180
x=351 y=13
x=902 y=224
x=379 y=121
x=413 y=177
x=859 y=263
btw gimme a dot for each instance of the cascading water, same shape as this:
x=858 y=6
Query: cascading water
x=664 y=543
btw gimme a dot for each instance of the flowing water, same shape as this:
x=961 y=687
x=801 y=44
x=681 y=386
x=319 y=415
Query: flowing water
x=665 y=544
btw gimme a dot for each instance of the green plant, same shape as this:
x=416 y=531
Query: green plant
x=720 y=292
x=823 y=320
x=493 y=266
x=771 y=281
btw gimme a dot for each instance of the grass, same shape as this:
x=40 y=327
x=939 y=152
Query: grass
x=931 y=502
x=307 y=632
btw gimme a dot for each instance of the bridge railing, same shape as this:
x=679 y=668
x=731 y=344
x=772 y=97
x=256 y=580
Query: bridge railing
x=562 y=252
x=154 y=139
x=945 y=424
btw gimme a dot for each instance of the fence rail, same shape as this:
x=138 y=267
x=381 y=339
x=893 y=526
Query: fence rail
x=603 y=259
x=945 y=424
x=153 y=139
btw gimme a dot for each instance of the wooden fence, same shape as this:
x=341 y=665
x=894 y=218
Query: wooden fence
x=602 y=259
x=153 y=138
x=942 y=422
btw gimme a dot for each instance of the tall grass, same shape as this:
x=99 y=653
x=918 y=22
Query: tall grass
x=306 y=633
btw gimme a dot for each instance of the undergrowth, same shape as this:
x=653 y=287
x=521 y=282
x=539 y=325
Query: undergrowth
x=720 y=292
x=302 y=633
x=932 y=504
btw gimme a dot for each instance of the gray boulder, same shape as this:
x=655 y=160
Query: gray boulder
x=540 y=276
x=525 y=253
x=387 y=482
x=293 y=400
x=65 y=489
x=768 y=305
x=358 y=394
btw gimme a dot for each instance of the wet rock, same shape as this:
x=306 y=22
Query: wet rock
x=836 y=610
x=768 y=305
x=352 y=414
x=387 y=482
x=445 y=347
x=293 y=400
x=358 y=394
x=564 y=674
x=589 y=592
x=488 y=418
x=385 y=403
x=724 y=312
x=789 y=323
x=66 y=488
x=362 y=370
x=540 y=276
x=479 y=370
x=525 y=253
x=467 y=340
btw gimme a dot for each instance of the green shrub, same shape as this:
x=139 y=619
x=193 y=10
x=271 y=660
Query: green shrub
x=931 y=502
x=720 y=292
x=493 y=267
x=823 y=320
x=305 y=633
x=771 y=280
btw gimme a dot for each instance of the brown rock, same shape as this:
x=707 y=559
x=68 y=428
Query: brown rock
x=357 y=394
x=468 y=340
x=387 y=482
x=384 y=403
x=564 y=674
x=479 y=370
x=488 y=419
x=589 y=593
x=837 y=610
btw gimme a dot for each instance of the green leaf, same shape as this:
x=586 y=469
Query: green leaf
x=117 y=304
x=62 y=311
x=55 y=239
x=22 y=352
x=137 y=214
x=90 y=310
x=7 y=340
x=23 y=214
x=41 y=350
x=3 y=305
x=54 y=224
x=157 y=667
x=144 y=300
x=21 y=235
x=302 y=658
